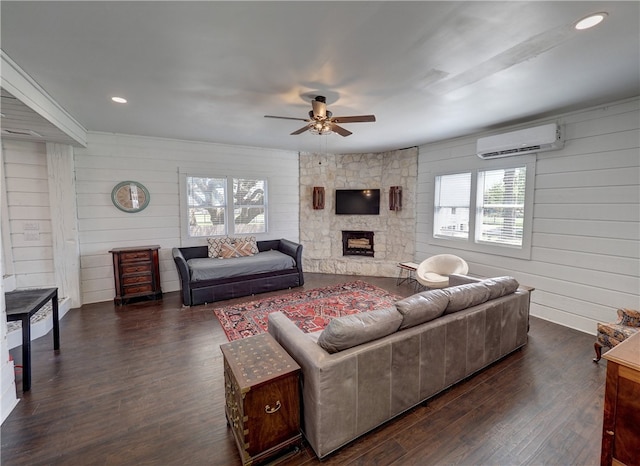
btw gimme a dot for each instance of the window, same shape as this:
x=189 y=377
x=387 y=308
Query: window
x=500 y=206
x=485 y=210
x=207 y=206
x=249 y=206
x=451 y=207
x=221 y=206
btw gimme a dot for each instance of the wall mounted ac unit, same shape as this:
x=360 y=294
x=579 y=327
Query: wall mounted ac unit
x=525 y=141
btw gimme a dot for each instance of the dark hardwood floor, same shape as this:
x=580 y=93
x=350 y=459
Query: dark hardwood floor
x=142 y=385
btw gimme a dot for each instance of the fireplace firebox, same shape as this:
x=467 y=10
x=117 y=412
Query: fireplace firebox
x=357 y=243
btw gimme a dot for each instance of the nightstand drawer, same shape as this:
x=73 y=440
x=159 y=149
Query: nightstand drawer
x=135 y=268
x=134 y=289
x=134 y=256
x=136 y=279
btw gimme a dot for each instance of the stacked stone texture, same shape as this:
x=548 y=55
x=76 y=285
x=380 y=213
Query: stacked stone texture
x=321 y=230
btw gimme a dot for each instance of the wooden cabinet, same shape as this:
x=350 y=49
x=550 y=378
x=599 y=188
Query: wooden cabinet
x=262 y=397
x=621 y=425
x=137 y=273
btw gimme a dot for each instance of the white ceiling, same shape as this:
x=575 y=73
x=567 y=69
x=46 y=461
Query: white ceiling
x=210 y=71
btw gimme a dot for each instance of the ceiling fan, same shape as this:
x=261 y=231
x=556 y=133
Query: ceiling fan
x=322 y=121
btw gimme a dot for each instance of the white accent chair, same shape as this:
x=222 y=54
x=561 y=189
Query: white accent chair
x=434 y=272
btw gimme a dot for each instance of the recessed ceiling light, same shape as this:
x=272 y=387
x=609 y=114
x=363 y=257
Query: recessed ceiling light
x=120 y=100
x=590 y=21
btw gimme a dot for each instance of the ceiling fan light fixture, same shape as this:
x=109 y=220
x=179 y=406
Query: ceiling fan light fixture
x=591 y=21
x=119 y=100
x=321 y=127
x=321 y=121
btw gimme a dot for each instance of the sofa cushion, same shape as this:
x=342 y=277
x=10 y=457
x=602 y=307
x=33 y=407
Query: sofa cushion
x=500 y=286
x=204 y=269
x=353 y=330
x=465 y=296
x=422 y=307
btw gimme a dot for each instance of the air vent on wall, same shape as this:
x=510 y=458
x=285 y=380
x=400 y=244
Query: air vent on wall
x=525 y=141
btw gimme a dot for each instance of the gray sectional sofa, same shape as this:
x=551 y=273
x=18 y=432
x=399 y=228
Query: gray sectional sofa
x=277 y=266
x=365 y=369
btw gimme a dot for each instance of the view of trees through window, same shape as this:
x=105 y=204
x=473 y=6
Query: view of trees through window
x=209 y=205
x=501 y=206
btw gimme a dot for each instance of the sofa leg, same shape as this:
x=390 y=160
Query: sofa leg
x=598 y=347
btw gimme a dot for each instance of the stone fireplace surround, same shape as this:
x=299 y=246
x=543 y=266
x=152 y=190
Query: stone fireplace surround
x=394 y=231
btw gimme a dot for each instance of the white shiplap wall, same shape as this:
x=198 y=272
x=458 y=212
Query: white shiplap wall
x=111 y=158
x=585 y=258
x=25 y=169
x=8 y=399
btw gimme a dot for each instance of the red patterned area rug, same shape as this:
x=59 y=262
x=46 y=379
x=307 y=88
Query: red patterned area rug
x=310 y=310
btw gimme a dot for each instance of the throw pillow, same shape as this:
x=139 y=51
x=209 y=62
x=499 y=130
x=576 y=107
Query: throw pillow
x=252 y=243
x=465 y=296
x=214 y=245
x=353 y=330
x=422 y=307
x=239 y=247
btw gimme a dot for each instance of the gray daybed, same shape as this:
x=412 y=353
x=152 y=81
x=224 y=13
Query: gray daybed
x=277 y=266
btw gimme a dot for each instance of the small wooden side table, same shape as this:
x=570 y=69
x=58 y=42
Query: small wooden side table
x=262 y=395
x=136 y=271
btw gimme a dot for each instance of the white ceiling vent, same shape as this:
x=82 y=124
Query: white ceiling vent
x=525 y=141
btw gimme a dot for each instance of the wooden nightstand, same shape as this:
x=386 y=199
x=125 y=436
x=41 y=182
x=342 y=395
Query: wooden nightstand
x=262 y=396
x=137 y=273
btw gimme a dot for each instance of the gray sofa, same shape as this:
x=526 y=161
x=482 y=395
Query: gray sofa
x=423 y=345
x=277 y=266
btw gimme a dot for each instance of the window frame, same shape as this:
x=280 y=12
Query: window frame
x=475 y=167
x=229 y=207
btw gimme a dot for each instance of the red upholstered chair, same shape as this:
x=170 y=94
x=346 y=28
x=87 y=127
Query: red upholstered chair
x=612 y=333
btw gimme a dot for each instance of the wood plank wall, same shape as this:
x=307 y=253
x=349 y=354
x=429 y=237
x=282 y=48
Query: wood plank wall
x=110 y=159
x=585 y=258
x=27 y=187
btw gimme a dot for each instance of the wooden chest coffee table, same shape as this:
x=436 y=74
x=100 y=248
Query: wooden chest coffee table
x=262 y=395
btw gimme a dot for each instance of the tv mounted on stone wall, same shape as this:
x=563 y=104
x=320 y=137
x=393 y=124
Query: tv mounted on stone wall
x=357 y=202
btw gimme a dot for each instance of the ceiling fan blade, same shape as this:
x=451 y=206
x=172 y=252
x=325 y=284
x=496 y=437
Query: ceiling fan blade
x=319 y=109
x=286 y=118
x=301 y=130
x=355 y=119
x=340 y=130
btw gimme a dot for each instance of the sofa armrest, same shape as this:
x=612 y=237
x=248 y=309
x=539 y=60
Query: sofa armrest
x=294 y=250
x=329 y=386
x=183 y=273
x=297 y=343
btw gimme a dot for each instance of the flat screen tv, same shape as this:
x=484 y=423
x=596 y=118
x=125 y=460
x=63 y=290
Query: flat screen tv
x=357 y=202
